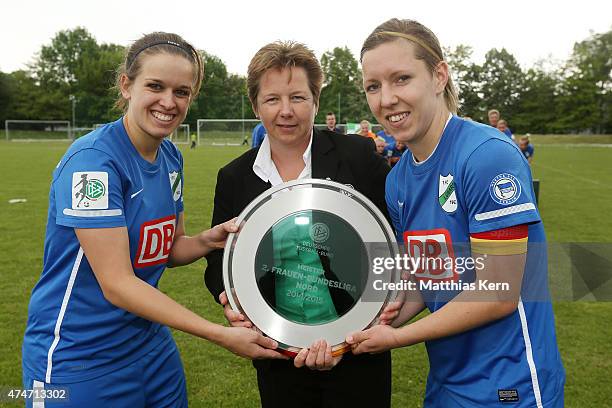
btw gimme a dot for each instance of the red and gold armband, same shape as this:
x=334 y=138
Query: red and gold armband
x=505 y=241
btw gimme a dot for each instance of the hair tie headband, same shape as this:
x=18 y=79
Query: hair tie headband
x=413 y=39
x=166 y=42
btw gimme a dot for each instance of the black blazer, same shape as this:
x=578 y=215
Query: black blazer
x=348 y=159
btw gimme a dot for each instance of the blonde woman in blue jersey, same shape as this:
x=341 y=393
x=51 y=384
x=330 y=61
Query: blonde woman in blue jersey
x=97 y=324
x=463 y=192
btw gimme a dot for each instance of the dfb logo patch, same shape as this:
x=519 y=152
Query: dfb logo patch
x=156 y=237
x=90 y=190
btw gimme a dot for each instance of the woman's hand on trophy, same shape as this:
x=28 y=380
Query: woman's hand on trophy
x=317 y=357
x=406 y=305
x=390 y=312
x=248 y=343
x=235 y=319
x=376 y=339
x=393 y=308
x=216 y=237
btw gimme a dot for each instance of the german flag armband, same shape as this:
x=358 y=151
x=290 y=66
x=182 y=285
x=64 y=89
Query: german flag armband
x=505 y=241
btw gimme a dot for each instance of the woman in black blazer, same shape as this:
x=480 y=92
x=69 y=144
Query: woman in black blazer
x=284 y=84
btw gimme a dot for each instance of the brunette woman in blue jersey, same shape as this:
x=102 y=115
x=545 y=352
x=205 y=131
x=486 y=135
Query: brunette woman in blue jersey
x=463 y=192
x=97 y=324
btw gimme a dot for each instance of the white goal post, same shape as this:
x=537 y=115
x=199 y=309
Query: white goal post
x=37 y=130
x=181 y=135
x=226 y=132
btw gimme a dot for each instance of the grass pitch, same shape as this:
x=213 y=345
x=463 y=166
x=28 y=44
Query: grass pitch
x=575 y=198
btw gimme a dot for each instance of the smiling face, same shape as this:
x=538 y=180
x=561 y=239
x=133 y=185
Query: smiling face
x=158 y=98
x=403 y=94
x=286 y=106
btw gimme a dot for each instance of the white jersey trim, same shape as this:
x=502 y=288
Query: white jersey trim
x=529 y=353
x=504 y=211
x=92 y=213
x=60 y=317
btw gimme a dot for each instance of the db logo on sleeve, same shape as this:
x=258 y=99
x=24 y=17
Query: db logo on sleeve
x=156 y=239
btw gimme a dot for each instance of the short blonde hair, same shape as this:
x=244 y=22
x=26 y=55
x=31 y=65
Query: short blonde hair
x=426 y=45
x=284 y=54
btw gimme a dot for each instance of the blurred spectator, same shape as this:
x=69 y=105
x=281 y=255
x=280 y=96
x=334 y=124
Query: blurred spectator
x=390 y=140
x=397 y=153
x=526 y=147
x=330 y=121
x=380 y=145
x=493 y=117
x=502 y=126
x=364 y=130
x=258 y=135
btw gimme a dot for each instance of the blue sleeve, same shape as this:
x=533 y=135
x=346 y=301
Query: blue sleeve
x=530 y=149
x=390 y=146
x=392 y=206
x=497 y=187
x=254 y=135
x=88 y=192
x=258 y=135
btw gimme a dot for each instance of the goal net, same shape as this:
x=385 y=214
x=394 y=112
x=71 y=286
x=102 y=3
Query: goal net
x=82 y=131
x=37 y=130
x=226 y=132
x=181 y=135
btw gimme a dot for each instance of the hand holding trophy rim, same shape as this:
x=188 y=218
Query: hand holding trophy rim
x=318 y=196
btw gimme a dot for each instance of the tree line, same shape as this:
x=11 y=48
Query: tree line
x=574 y=96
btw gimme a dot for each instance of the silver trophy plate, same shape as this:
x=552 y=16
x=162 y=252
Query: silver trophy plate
x=300 y=264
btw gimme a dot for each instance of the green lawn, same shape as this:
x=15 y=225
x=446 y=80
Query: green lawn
x=575 y=202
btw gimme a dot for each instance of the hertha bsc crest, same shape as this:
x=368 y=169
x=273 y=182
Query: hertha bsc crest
x=175 y=184
x=446 y=193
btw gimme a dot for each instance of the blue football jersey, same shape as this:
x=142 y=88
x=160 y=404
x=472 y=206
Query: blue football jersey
x=528 y=152
x=259 y=133
x=390 y=142
x=73 y=333
x=477 y=180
